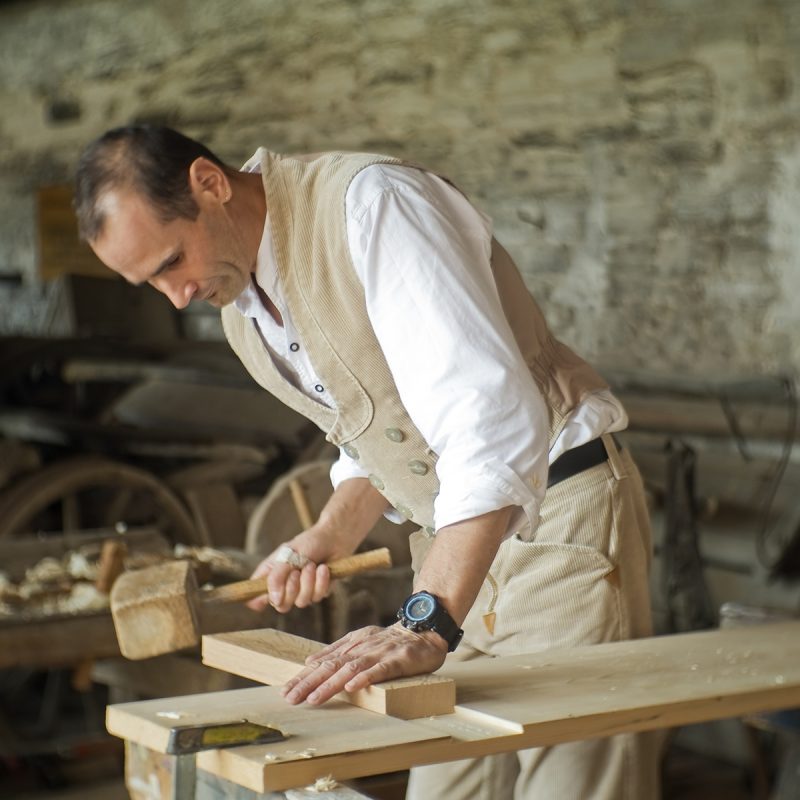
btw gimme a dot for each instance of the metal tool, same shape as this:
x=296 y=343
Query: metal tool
x=193 y=738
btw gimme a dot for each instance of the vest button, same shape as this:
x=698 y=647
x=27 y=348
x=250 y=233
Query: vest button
x=378 y=484
x=418 y=467
x=405 y=511
x=294 y=347
x=320 y=388
x=350 y=451
x=394 y=434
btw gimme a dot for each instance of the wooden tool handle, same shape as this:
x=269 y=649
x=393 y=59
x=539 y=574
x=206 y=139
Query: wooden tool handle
x=341 y=568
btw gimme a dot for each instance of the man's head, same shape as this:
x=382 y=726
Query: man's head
x=158 y=207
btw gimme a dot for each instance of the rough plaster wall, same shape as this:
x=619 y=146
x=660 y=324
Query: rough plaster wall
x=641 y=159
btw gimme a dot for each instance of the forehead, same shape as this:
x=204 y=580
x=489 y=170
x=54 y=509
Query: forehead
x=133 y=241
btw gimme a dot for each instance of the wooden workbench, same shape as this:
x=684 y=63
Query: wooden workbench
x=502 y=705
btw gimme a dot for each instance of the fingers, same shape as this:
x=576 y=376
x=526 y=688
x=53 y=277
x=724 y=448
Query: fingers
x=314 y=585
x=290 y=587
x=319 y=682
x=360 y=659
x=284 y=584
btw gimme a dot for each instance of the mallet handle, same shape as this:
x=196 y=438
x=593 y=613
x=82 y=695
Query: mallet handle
x=341 y=568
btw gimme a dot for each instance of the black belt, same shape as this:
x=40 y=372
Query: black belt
x=576 y=460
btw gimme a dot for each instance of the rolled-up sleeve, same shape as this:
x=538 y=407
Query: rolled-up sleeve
x=423 y=255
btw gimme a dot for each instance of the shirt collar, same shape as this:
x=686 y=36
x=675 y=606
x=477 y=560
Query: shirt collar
x=266 y=274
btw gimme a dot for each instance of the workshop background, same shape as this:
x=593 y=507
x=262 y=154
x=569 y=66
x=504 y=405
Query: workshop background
x=640 y=160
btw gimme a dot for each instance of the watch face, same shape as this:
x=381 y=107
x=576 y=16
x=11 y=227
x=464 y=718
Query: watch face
x=420 y=607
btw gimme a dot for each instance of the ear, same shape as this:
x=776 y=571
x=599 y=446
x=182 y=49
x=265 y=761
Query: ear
x=208 y=181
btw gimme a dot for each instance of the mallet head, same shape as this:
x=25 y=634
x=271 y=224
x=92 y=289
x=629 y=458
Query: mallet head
x=153 y=610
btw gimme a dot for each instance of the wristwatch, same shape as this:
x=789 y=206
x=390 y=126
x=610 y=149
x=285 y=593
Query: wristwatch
x=423 y=611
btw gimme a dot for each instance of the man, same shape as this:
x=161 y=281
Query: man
x=369 y=295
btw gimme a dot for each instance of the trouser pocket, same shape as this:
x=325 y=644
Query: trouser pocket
x=544 y=595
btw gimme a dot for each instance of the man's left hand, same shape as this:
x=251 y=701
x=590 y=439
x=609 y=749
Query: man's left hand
x=363 y=657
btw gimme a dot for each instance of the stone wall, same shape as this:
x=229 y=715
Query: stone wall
x=640 y=158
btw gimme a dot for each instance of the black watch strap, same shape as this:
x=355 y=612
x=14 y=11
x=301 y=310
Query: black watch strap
x=446 y=627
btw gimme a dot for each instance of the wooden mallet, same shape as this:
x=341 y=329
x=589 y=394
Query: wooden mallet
x=155 y=610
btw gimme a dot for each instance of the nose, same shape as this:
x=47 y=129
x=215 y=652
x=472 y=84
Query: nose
x=179 y=293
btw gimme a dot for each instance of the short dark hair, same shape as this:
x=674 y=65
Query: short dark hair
x=151 y=159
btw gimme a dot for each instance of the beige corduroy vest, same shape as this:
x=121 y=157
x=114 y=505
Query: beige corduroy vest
x=306 y=205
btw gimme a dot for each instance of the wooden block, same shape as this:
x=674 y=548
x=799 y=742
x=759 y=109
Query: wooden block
x=152 y=618
x=273 y=657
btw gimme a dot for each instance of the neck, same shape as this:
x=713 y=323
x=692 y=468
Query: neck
x=248 y=206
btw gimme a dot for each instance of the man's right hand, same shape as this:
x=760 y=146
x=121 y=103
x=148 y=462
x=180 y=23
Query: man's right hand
x=343 y=523
x=290 y=586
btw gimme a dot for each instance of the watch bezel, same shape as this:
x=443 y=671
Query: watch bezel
x=437 y=620
x=415 y=598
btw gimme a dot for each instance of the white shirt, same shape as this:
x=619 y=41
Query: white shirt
x=421 y=251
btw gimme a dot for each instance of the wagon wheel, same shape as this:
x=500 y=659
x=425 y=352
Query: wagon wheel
x=93 y=492
x=275 y=518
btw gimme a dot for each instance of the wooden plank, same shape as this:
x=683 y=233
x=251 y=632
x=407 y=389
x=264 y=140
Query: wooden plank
x=273 y=657
x=310 y=732
x=504 y=704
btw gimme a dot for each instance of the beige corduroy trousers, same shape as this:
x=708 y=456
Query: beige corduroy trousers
x=582 y=580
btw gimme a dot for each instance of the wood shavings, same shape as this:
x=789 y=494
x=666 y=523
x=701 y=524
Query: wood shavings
x=325 y=784
x=66 y=585
x=83 y=597
x=40 y=591
x=48 y=570
x=8 y=591
x=80 y=568
x=307 y=753
x=42 y=599
x=219 y=561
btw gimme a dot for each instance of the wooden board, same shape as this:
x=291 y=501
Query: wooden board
x=311 y=732
x=273 y=657
x=503 y=705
